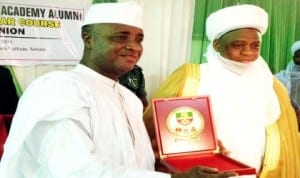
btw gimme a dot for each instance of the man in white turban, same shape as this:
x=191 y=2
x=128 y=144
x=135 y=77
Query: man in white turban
x=82 y=123
x=255 y=122
x=290 y=77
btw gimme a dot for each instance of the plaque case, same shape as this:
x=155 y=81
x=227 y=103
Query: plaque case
x=186 y=136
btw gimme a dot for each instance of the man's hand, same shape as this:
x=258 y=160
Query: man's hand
x=203 y=172
x=222 y=149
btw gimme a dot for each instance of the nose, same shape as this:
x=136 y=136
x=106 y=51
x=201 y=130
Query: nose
x=134 y=46
x=247 y=50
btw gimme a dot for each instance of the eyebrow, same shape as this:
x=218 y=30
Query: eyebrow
x=128 y=33
x=239 y=40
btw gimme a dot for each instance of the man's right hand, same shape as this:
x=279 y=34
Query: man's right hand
x=203 y=172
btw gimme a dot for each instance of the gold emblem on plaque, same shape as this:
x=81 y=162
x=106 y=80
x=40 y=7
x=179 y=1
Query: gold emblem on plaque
x=185 y=123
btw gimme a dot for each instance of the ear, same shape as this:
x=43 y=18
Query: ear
x=216 y=45
x=87 y=39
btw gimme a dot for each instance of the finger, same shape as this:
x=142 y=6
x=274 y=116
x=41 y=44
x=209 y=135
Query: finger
x=226 y=152
x=227 y=174
x=207 y=169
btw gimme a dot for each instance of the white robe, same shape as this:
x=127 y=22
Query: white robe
x=73 y=124
x=243 y=103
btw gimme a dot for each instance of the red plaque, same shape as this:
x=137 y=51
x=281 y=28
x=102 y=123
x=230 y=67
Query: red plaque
x=186 y=137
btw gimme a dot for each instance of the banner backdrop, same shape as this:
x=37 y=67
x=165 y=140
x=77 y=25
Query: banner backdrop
x=40 y=32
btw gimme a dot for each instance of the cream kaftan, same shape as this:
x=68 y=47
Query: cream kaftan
x=78 y=124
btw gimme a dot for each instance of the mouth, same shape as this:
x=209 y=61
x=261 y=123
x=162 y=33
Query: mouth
x=130 y=58
x=246 y=60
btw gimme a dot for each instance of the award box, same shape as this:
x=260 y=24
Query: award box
x=186 y=136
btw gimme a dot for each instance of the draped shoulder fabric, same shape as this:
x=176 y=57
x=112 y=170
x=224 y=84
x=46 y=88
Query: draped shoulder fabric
x=82 y=125
x=282 y=153
x=282 y=157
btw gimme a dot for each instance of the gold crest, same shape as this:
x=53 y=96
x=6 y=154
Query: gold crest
x=185 y=123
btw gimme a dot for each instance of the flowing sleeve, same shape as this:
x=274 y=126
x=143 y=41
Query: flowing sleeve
x=282 y=157
x=67 y=151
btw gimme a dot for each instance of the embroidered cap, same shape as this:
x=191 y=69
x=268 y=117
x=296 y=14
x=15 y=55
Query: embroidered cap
x=128 y=13
x=236 y=17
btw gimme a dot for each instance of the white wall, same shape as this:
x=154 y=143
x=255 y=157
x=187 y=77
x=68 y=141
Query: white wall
x=168 y=30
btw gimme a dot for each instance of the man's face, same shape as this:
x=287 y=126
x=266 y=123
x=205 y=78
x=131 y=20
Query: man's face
x=242 y=45
x=114 y=48
x=296 y=57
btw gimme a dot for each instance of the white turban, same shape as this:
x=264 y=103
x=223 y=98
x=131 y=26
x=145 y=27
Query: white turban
x=128 y=13
x=236 y=17
x=295 y=47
